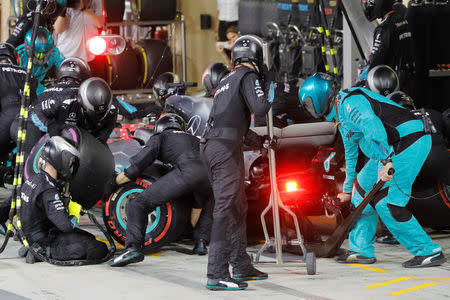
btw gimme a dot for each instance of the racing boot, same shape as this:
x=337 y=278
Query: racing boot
x=200 y=247
x=131 y=255
x=228 y=284
x=432 y=260
x=351 y=257
x=251 y=274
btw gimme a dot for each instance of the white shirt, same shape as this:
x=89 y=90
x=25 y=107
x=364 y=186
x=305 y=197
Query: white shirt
x=228 y=10
x=73 y=41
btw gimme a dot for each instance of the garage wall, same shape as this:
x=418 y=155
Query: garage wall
x=5 y=4
x=200 y=44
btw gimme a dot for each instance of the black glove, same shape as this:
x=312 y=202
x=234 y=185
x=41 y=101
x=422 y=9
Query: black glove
x=55 y=129
x=268 y=76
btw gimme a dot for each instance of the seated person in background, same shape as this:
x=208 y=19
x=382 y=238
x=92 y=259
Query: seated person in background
x=227 y=16
x=91 y=109
x=232 y=35
x=171 y=145
x=45 y=57
x=76 y=26
x=48 y=219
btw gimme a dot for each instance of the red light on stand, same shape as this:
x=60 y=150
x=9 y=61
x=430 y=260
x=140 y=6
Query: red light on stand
x=97 y=45
x=291 y=186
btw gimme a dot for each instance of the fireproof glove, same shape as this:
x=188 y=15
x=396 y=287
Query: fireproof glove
x=75 y=211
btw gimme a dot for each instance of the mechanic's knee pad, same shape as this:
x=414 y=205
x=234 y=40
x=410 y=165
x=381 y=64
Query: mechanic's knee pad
x=399 y=213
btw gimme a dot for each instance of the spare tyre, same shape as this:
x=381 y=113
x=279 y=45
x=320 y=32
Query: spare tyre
x=432 y=204
x=154 y=10
x=165 y=224
x=123 y=70
x=96 y=166
x=155 y=58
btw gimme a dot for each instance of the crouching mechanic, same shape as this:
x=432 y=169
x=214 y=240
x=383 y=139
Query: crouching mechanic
x=48 y=220
x=237 y=95
x=45 y=57
x=171 y=145
x=391 y=137
x=89 y=107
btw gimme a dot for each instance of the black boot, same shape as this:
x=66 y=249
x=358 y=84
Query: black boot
x=131 y=255
x=23 y=251
x=351 y=257
x=228 y=284
x=200 y=247
x=251 y=274
x=431 y=260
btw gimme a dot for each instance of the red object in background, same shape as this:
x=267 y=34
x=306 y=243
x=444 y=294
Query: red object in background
x=97 y=45
x=161 y=34
x=291 y=186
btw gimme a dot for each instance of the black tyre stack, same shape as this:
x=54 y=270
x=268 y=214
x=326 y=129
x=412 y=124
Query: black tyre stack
x=155 y=58
x=114 y=10
x=154 y=10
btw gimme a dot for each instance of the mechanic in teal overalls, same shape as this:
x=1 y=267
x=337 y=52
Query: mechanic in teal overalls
x=390 y=137
x=46 y=56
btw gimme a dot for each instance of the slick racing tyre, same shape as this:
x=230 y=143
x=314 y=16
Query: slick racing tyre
x=165 y=224
x=434 y=211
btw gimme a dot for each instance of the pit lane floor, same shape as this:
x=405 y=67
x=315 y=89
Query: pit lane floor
x=172 y=274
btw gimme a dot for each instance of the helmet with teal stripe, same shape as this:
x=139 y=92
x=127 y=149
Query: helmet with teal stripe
x=316 y=94
x=43 y=44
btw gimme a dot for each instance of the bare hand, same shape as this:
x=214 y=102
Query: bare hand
x=344 y=197
x=219 y=48
x=121 y=178
x=384 y=175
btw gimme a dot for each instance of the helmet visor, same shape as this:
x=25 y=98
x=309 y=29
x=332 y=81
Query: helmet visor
x=309 y=106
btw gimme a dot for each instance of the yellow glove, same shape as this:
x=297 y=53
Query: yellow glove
x=74 y=210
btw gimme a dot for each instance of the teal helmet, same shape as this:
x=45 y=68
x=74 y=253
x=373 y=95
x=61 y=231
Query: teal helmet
x=43 y=43
x=316 y=94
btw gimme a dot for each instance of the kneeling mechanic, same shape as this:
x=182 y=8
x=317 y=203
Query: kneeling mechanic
x=48 y=221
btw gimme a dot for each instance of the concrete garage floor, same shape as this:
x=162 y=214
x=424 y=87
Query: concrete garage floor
x=170 y=274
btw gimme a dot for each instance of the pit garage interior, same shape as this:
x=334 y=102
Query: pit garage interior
x=298 y=179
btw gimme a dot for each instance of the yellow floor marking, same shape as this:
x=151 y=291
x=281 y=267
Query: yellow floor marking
x=155 y=254
x=417 y=287
x=384 y=283
x=361 y=266
x=105 y=241
x=374 y=286
x=323 y=220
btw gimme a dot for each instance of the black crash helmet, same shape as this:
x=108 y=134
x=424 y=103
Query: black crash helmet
x=402 y=99
x=62 y=156
x=374 y=9
x=8 y=52
x=382 y=80
x=248 y=49
x=170 y=121
x=212 y=76
x=161 y=89
x=73 y=68
x=95 y=97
